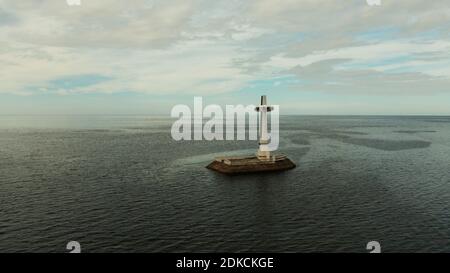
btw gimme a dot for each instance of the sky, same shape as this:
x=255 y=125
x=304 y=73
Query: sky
x=318 y=57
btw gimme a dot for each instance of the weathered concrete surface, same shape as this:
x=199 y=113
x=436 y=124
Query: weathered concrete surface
x=250 y=165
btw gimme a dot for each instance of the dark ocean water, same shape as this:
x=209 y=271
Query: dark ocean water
x=121 y=184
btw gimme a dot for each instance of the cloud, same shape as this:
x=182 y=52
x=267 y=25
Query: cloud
x=100 y=23
x=212 y=47
x=7 y=18
x=323 y=76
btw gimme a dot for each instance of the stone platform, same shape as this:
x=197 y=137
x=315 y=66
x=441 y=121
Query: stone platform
x=250 y=164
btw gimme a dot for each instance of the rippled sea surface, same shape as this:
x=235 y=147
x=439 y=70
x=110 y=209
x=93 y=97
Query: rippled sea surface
x=121 y=184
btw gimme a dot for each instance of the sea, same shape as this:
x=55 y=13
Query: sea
x=122 y=184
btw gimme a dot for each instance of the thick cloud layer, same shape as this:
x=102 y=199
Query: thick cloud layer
x=207 y=47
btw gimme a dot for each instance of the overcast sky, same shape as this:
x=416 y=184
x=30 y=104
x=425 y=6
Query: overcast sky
x=144 y=56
